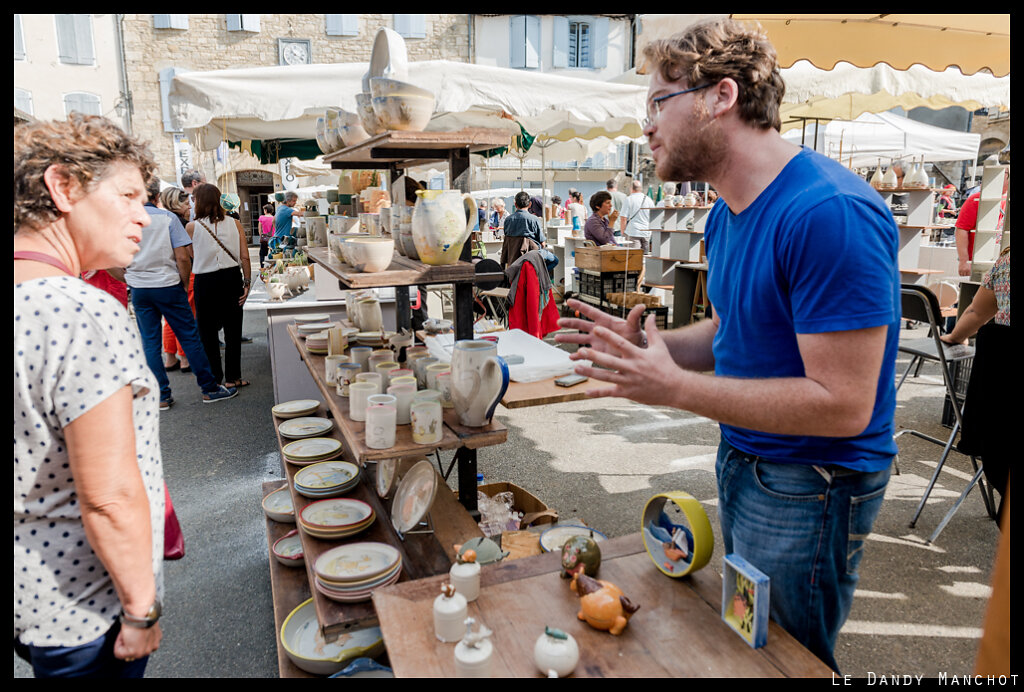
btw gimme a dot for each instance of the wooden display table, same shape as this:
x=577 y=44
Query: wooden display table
x=523 y=394
x=678 y=631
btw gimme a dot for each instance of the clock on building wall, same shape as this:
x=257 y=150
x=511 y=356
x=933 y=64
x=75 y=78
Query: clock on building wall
x=294 y=51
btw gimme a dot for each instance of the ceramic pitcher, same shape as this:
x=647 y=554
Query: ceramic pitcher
x=441 y=223
x=479 y=380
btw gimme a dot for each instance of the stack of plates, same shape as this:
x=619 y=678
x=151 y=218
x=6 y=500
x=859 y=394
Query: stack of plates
x=327 y=479
x=316 y=317
x=317 y=343
x=296 y=408
x=373 y=338
x=336 y=518
x=301 y=428
x=311 y=450
x=351 y=573
x=308 y=329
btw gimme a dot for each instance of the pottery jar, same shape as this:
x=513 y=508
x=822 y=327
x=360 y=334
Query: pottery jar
x=358 y=393
x=380 y=426
x=345 y=375
x=420 y=368
x=444 y=385
x=426 y=422
x=441 y=222
x=432 y=371
x=371 y=319
x=449 y=615
x=331 y=364
x=385 y=369
x=361 y=355
x=465 y=578
x=403 y=394
x=479 y=380
x=556 y=653
x=373 y=378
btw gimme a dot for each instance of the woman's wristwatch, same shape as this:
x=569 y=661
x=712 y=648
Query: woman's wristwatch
x=144 y=622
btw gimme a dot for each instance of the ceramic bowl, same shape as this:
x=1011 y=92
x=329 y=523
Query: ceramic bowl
x=367 y=116
x=321 y=135
x=380 y=87
x=435 y=326
x=288 y=549
x=278 y=506
x=370 y=254
x=304 y=643
x=350 y=128
x=389 y=57
x=403 y=111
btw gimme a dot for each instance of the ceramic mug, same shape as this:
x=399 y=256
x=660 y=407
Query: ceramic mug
x=345 y=375
x=378 y=357
x=331 y=364
x=380 y=426
x=426 y=422
x=405 y=379
x=479 y=380
x=427 y=395
x=401 y=372
x=358 y=394
x=403 y=394
x=385 y=369
x=444 y=385
x=360 y=355
x=373 y=378
x=421 y=369
x=432 y=371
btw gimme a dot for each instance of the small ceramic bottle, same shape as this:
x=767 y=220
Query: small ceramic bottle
x=449 y=614
x=473 y=654
x=465 y=575
x=876 y=179
x=556 y=653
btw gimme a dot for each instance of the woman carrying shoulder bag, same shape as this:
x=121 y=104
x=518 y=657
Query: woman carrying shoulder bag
x=222 y=270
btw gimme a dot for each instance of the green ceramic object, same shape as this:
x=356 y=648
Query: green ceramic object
x=487 y=551
x=580 y=553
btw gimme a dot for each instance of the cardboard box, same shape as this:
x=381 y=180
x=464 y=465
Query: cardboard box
x=533 y=509
x=609 y=259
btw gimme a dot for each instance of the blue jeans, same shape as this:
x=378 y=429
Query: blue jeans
x=92 y=660
x=803 y=531
x=171 y=303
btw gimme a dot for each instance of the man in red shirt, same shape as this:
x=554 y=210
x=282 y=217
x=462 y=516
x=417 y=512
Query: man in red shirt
x=967 y=224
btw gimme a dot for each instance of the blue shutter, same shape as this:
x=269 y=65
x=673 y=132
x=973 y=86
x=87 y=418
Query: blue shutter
x=251 y=22
x=411 y=25
x=179 y=21
x=517 y=41
x=560 y=56
x=599 y=42
x=83 y=39
x=342 y=24
x=23 y=100
x=234 y=22
x=170 y=21
x=87 y=104
x=19 y=40
x=66 y=38
x=165 y=77
x=532 y=41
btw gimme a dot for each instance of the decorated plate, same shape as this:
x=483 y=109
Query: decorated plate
x=414 y=497
x=312 y=448
x=315 y=317
x=298 y=407
x=314 y=327
x=337 y=513
x=356 y=561
x=301 y=428
x=327 y=475
x=554 y=538
x=305 y=645
x=387 y=472
x=362 y=584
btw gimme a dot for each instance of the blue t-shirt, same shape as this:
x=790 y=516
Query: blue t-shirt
x=283 y=221
x=816 y=252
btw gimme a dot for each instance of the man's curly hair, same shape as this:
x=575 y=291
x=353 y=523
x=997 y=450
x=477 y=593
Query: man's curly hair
x=84 y=145
x=711 y=51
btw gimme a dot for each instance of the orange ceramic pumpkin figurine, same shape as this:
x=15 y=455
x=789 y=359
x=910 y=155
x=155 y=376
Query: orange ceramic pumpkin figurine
x=602 y=605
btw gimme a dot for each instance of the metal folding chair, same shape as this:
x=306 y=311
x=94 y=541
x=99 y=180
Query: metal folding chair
x=921 y=305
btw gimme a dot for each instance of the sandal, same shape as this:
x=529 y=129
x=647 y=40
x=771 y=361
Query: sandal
x=238 y=384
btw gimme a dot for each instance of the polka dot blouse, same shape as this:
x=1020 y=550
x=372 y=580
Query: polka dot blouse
x=74 y=346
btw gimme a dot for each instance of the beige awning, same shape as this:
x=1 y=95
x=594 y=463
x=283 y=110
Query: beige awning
x=972 y=42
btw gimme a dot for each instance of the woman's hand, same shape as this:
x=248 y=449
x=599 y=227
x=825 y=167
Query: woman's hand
x=948 y=338
x=133 y=642
x=245 y=293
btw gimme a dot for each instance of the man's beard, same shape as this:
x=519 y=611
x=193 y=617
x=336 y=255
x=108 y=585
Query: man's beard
x=701 y=155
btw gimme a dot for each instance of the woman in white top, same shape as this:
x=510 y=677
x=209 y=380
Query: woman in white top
x=88 y=481
x=219 y=248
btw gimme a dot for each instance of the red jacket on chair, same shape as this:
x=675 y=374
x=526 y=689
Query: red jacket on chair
x=525 y=313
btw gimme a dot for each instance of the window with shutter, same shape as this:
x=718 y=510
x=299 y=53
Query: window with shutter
x=243 y=22
x=411 y=25
x=23 y=100
x=165 y=77
x=82 y=102
x=342 y=24
x=19 y=39
x=579 y=44
x=524 y=41
x=74 y=39
x=170 y=21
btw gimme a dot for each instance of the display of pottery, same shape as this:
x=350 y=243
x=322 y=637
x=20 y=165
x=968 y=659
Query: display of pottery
x=449 y=614
x=350 y=129
x=465 y=575
x=479 y=380
x=474 y=652
x=441 y=222
x=580 y=554
x=367 y=116
x=303 y=642
x=602 y=604
x=556 y=653
x=401 y=106
x=389 y=57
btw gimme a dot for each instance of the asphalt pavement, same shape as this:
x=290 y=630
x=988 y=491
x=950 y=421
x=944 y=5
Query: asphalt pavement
x=918 y=609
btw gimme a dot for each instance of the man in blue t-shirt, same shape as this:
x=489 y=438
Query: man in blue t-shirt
x=283 y=219
x=804 y=283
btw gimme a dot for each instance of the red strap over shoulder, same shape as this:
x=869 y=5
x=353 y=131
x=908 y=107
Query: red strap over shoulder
x=45 y=259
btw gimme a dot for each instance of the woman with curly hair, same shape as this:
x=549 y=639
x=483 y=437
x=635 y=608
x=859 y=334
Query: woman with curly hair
x=88 y=482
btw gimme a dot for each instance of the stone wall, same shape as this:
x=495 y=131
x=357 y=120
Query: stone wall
x=208 y=45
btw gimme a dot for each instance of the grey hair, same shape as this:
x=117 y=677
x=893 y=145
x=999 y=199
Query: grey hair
x=189 y=178
x=289 y=196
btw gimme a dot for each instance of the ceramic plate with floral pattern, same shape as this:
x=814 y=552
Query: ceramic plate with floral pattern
x=336 y=513
x=356 y=561
x=414 y=496
x=300 y=428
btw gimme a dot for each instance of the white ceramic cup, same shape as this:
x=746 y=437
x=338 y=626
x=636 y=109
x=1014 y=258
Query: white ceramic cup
x=331 y=366
x=403 y=393
x=358 y=394
x=444 y=385
x=432 y=371
x=361 y=355
x=405 y=379
x=385 y=369
x=373 y=378
x=427 y=423
x=420 y=368
x=401 y=372
x=427 y=395
x=380 y=426
x=377 y=357
x=345 y=375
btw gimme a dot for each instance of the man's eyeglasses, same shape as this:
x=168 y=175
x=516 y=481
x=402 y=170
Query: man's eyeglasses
x=654 y=110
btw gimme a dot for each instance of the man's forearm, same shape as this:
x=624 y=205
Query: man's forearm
x=690 y=346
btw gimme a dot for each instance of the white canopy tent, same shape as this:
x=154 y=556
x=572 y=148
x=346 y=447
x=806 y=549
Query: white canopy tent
x=873 y=136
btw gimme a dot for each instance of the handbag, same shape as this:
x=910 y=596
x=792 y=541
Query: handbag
x=245 y=279
x=174 y=539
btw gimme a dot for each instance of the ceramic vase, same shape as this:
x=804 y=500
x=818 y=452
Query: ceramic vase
x=380 y=426
x=479 y=380
x=426 y=422
x=361 y=355
x=371 y=319
x=358 y=394
x=403 y=394
x=441 y=222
